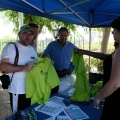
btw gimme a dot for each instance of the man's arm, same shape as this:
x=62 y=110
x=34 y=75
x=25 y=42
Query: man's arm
x=101 y=56
x=6 y=67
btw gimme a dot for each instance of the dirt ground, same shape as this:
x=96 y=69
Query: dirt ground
x=5 y=109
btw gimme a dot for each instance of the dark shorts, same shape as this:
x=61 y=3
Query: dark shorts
x=23 y=102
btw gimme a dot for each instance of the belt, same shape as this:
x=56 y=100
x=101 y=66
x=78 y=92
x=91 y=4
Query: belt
x=63 y=70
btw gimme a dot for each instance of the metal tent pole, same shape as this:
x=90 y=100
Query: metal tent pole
x=89 y=50
x=20 y=19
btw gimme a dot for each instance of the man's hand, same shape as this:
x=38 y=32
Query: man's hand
x=28 y=66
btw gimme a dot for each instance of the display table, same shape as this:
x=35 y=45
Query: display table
x=87 y=108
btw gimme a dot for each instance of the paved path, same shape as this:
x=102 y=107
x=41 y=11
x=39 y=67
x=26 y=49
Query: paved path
x=5 y=109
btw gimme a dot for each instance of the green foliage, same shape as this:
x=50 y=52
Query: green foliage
x=95 y=88
x=7 y=39
x=97 y=63
x=4 y=41
x=49 y=23
x=11 y=16
x=94 y=62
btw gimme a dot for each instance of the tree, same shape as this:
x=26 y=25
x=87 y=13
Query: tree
x=103 y=36
x=105 y=39
x=41 y=21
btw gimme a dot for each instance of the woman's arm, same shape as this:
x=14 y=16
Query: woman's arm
x=114 y=82
x=92 y=54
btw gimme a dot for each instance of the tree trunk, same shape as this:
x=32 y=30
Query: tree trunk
x=105 y=39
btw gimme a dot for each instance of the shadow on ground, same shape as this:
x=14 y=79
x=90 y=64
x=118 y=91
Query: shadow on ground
x=5 y=109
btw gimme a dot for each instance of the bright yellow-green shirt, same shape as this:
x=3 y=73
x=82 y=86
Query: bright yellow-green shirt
x=40 y=80
x=81 y=92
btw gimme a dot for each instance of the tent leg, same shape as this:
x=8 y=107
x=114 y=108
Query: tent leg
x=89 y=50
x=20 y=19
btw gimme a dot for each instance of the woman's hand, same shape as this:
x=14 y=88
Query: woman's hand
x=97 y=103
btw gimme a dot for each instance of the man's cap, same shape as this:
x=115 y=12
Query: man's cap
x=26 y=28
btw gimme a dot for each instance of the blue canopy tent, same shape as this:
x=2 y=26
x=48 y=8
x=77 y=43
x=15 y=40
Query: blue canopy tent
x=89 y=13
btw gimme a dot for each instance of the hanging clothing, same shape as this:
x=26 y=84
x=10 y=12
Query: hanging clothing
x=81 y=92
x=40 y=80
